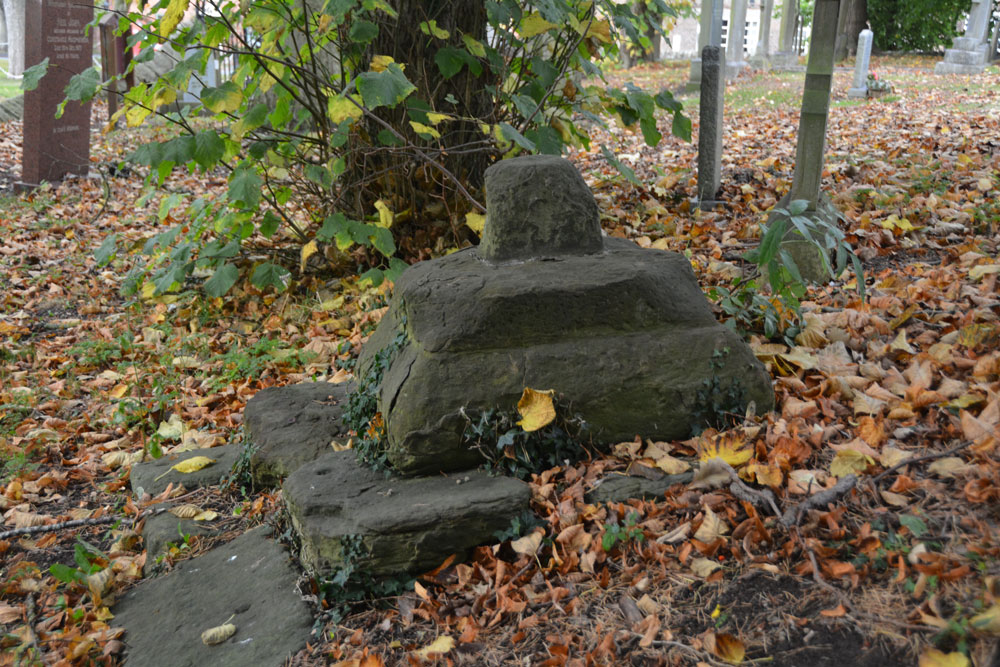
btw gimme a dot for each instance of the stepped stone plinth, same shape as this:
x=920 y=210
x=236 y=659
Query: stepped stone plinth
x=624 y=334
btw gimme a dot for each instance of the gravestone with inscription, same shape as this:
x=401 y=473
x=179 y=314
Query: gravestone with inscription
x=54 y=147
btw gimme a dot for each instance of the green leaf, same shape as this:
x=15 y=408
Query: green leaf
x=650 y=134
x=382 y=240
x=386 y=88
x=363 y=31
x=319 y=175
x=623 y=169
x=107 y=251
x=681 y=126
x=224 y=277
x=269 y=225
x=771 y=241
x=175 y=12
x=33 y=75
x=224 y=98
x=64 y=573
x=798 y=207
x=431 y=28
x=208 y=149
x=511 y=134
x=371 y=277
x=84 y=86
x=270 y=275
x=546 y=140
x=915 y=524
x=244 y=187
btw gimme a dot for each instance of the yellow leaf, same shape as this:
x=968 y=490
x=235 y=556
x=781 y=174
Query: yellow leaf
x=988 y=622
x=164 y=96
x=533 y=24
x=848 y=461
x=900 y=344
x=672 y=465
x=474 y=46
x=385 y=214
x=186 y=511
x=980 y=270
x=218 y=634
x=193 y=464
x=704 y=566
x=984 y=184
x=475 y=222
x=730 y=649
x=931 y=657
x=420 y=128
x=536 y=409
x=99 y=583
x=800 y=358
x=207 y=515
x=442 y=644
x=528 y=545
x=339 y=109
x=118 y=391
x=436 y=118
x=148 y=289
x=601 y=31
x=173 y=428
x=308 y=250
x=729 y=448
x=175 y=12
x=379 y=63
x=185 y=362
x=712 y=528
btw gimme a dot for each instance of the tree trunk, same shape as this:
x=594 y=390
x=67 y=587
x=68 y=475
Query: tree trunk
x=857 y=20
x=14 y=12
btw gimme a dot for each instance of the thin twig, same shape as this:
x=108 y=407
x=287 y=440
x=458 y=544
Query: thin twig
x=665 y=643
x=77 y=523
x=792 y=515
x=918 y=459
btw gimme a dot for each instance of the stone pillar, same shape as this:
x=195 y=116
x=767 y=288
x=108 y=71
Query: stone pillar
x=704 y=36
x=763 y=50
x=51 y=147
x=115 y=57
x=970 y=52
x=860 y=86
x=713 y=91
x=786 y=55
x=737 y=32
x=811 y=145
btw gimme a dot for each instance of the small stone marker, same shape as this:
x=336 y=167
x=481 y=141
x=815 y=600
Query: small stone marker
x=860 y=87
x=53 y=148
x=713 y=90
x=970 y=52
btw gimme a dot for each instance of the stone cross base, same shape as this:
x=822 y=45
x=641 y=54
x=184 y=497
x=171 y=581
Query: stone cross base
x=784 y=59
x=857 y=93
x=966 y=57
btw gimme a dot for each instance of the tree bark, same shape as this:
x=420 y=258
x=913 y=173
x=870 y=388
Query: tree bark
x=14 y=12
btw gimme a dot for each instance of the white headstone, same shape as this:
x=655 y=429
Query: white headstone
x=860 y=87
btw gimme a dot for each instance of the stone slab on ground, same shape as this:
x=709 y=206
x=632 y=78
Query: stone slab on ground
x=161 y=529
x=146 y=477
x=292 y=425
x=619 y=488
x=408 y=525
x=251 y=578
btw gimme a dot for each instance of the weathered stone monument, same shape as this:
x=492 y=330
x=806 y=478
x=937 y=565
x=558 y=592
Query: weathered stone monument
x=710 y=116
x=860 y=86
x=787 y=56
x=761 y=56
x=53 y=148
x=704 y=39
x=735 y=61
x=811 y=144
x=970 y=52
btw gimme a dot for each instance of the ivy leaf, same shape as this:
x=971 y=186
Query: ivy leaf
x=33 y=75
x=224 y=277
x=270 y=275
x=386 y=88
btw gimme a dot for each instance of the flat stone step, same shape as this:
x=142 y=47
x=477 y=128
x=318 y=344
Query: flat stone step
x=406 y=525
x=161 y=530
x=293 y=425
x=152 y=477
x=250 y=579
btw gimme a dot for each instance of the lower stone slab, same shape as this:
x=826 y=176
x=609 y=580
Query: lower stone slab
x=152 y=477
x=163 y=528
x=292 y=425
x=249 y=579
x=406 y=525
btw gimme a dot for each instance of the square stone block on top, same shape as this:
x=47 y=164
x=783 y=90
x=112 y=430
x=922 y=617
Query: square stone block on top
x=624 y=334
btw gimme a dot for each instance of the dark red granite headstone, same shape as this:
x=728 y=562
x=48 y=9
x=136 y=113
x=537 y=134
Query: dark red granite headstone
x=54 y=147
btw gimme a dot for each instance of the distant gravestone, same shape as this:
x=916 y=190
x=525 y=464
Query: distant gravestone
x=763 y=51
x=970 y=52
x=734 y=44
x=860 y=86
x=54 y=147
x=713 y=90
x=787 y=56
x=115 y=58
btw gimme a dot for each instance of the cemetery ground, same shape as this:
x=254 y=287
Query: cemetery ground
x=901 y=388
